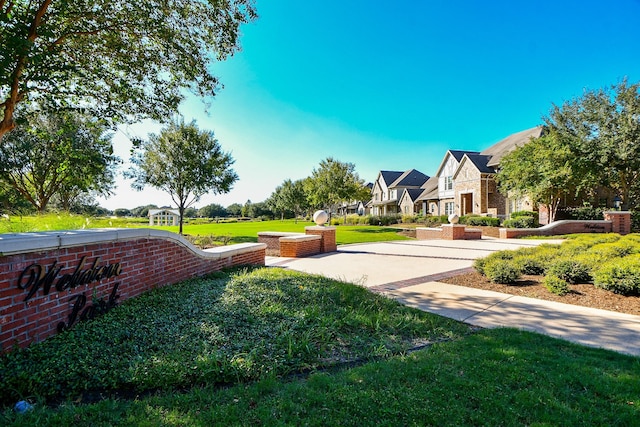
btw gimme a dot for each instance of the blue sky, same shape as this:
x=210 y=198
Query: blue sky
x=394 y=85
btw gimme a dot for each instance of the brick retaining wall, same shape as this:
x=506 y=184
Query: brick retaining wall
x=300 y=246
x=138 y=259
x=558 y=228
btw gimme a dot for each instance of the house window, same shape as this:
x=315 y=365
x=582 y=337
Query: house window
x=448 y=208
x=433 y=208
x=448 y=183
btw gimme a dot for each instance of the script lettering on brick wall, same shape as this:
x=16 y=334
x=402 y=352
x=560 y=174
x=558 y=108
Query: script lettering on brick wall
x=35 y=277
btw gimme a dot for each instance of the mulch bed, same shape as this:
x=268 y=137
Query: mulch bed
x=584 y=294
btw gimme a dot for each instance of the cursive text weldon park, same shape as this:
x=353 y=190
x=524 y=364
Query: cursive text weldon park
x=35 y=277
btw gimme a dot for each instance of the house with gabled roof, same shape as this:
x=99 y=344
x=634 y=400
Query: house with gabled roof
x=389 y=187
x=445 y=173
x=409 y=204
x=429 y=197
x=466 y=181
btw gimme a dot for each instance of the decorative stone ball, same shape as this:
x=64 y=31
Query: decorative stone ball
x=453 y=219
x=320 y=217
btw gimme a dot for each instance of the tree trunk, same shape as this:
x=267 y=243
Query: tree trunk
x=181 y=211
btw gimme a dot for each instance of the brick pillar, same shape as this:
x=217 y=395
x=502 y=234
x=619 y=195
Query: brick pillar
x=328 y=235
x=620 y=221
x=453 y=231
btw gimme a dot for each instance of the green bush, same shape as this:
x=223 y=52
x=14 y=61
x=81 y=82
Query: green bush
x=483 y=221
x=530 y=264
x=408 y=219
x=570 y=270
x=337 y=220
x=521 y=222
x=434 y=220
x=479 y=263
x=504 y=271
x=555 y=285
x=591 y=239
x=621 y=276
x=352 y=219
x=583 y=213
x=520 y=214
x=618 y=249
x=383 y=220
x=635 y=221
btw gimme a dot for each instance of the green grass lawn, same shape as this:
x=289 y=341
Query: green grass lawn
x=238 y=232
x=275 y=347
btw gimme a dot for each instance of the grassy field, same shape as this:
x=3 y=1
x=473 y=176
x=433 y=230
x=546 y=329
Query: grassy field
x=238 y=232
x=275 y=347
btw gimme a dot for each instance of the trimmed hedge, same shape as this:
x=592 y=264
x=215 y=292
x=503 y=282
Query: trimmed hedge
x=486 y=221
x=570 y=270
x=610 y=261
x=527 y=214
x=503 y=271
x=621 y=276
x=480 y=263
x=555 y=285
x=521 y=222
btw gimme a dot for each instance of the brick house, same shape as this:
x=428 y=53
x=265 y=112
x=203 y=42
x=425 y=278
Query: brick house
x=466 y=181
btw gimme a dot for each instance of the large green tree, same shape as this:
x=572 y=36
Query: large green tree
x=64 y=155
x=213 y=210
x=183 y=161
x=124 y=59
x=333 y=183
x=542 y=170
x=590 y=143
x=602 y=130
x=289 y=196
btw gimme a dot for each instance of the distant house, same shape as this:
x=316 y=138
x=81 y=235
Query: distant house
x=357 y=207
x=164 y=216
x=389 y=187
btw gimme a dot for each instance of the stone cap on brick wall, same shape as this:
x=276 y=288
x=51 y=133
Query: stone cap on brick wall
x=18 y=243
x=300 y=238
x=278 y=233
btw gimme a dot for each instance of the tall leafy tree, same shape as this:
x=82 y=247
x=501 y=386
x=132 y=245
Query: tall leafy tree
x=334 y=182
x=542 y=170
x=183 y=161
x=123 y=59
x=58 y=155
x=234 y=209
x=602 y=130
x=212 y=211
x=289 y=196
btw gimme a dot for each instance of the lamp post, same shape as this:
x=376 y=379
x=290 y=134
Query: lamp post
x=617 y=201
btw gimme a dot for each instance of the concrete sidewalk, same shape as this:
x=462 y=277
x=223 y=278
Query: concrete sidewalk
x=408 y=271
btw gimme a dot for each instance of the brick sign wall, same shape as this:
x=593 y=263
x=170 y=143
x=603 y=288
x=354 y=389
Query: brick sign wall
x=50 y=281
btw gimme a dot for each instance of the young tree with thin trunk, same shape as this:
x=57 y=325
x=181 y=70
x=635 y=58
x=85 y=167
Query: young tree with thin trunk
x=334 y=182
x=183 y=161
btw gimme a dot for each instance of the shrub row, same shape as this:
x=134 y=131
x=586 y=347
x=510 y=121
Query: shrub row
x=609 y=261
x=480 y=221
